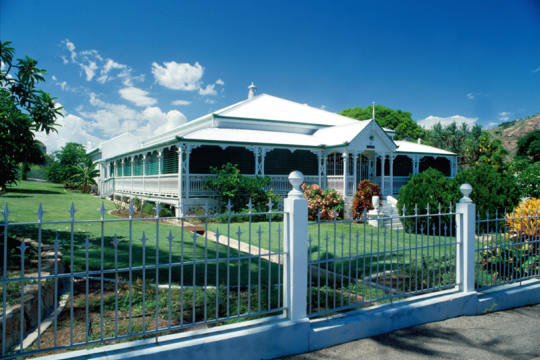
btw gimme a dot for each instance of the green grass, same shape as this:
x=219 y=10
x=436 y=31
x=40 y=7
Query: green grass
x=25 y=198
x=358 y=239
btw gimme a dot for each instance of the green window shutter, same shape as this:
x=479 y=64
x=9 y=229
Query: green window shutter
x=152 y=164
x=127 y=168
x=170 y=161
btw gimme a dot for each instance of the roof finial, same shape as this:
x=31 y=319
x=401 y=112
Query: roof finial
x=374 y=110
x=252 y=91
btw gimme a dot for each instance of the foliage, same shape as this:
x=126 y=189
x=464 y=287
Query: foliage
x=529 y=145
x=362 y=199
x=328 y=202
x=529 y=181
x=67 y=158
x=231 y=185
x=473 y=144
x=85 y=174
x=148 y=208
x=491 y=190
x=525 y=220
x=400 y=121
x=24 y=169
x=518 y=164
x=428 y=188
x=24 y=110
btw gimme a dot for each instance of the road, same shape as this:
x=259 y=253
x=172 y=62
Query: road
x=510 y=334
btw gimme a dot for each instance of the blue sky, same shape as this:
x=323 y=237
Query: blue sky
x=146 y=66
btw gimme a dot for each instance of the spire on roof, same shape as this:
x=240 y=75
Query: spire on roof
x=252 y=91
x=374 y=110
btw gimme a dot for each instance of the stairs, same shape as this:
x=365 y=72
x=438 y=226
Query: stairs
x=389 y=209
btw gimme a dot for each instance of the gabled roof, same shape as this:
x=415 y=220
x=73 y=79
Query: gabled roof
x=415 y=148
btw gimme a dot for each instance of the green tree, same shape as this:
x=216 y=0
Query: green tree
x=67 y=158
x=84 y=175
x=529 y=145
x=529 y=181
x=24 y=110
x=400 y=121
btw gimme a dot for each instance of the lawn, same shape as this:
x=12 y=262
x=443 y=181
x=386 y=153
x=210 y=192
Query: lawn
x=25 y=198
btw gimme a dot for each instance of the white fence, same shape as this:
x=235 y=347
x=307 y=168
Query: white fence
x=132 y=278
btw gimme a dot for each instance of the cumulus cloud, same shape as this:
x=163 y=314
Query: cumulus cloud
x=492 y=125
x=177 y=76
x=470 y=96
x=72 y=129
x=118 y=118
x=220 y=82
x=428 y=122
x=209 y=90
x=54 y=78
x=181 y=102
x=504 y=116
x=323 y=107
x=90 y=61
x=137 y=96
x=208 y=101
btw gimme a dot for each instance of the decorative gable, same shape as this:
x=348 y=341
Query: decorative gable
x=372 y=137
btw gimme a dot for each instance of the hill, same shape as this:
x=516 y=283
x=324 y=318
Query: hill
x=509 y=132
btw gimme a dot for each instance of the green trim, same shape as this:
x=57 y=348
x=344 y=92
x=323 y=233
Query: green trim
x=179 y=138
x=142 y=150
x=269 y=121
x=96 y=150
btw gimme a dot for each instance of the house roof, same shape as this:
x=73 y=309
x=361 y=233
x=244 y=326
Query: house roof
x=415 y=148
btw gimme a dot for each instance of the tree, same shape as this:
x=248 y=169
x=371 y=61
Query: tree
x=85 y=174
x=67 y=158
x=529 y=145
x=529 y=181
x=400 y=121
x=24 y=110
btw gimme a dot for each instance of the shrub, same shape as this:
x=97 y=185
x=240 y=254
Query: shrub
x=362 y=199
x=231 y=185
x=148 y=208
x=137 y=204
x=525 y=220
x=492 y=190
x=529 y=181
x=165 y=212
x=431 y=188
x=328 y=202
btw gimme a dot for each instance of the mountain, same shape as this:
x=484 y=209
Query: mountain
x=509 y=132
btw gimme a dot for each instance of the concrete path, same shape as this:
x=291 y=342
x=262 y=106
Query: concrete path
x=510 y=334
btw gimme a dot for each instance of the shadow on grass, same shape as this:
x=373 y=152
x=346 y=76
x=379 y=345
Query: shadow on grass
x=30 y=191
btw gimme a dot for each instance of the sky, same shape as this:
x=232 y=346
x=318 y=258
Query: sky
x=148 y=66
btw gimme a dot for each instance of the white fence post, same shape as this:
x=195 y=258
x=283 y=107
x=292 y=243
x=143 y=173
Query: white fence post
x=465 y=237
x=295 y=243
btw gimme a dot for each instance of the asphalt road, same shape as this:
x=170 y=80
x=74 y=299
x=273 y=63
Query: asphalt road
x=510 y=334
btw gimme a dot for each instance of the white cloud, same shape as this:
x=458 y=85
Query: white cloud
x=54 y=78
x=492 y=125
x=118 y=118
x=470 y=96
x=208 y=101
x=536 y=70
x=220 y=82
x=72 y=129
x=323 y=107
x=137 y=96
x=504 y=116
x=90 y=61
x=208 y=91
x=177 y=76
x=428 y=122
x=181 y=102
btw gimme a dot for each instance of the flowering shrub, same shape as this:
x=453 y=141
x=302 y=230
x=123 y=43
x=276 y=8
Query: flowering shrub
x=525 y=220
x=329 y=202
x=362 y=199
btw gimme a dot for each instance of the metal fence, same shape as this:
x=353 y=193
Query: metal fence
x=507 y=248
x=135 y=276
x=352 y=263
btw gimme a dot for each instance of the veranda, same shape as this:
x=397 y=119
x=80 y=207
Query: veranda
x=152 y=173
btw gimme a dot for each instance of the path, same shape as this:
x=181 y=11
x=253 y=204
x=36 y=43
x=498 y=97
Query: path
x=510 y=334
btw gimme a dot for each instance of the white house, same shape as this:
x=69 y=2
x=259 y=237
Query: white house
x=264 y=135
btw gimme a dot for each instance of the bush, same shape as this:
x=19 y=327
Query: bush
x=431 y=188
x=148 y=208
x=137 y=204
x=527 y=227
x=362 y=199
x=492 y=190
x=231 y=185
x=328 y=202
x=529 y=181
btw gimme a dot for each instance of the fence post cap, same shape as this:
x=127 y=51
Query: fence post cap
x=296 y=179
x=465 y=189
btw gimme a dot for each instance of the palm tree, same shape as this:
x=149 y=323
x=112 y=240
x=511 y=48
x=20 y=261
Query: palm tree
x=85 y=174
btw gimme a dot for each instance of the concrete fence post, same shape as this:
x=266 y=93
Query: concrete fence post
x=296 y=245
x=465 y=220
